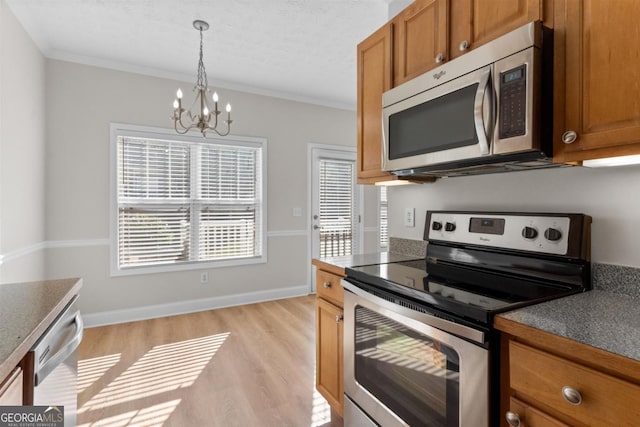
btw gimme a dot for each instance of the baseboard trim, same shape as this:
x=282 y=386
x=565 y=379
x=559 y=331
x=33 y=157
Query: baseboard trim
x=113 y=317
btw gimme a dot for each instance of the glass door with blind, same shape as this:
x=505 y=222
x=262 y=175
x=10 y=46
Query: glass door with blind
x=336 y=199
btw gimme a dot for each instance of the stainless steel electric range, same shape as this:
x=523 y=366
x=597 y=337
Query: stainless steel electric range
x=420 y=347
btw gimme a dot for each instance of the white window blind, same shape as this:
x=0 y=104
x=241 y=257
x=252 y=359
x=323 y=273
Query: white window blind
x=336 y=218
x=183 y=202
x=384 y=218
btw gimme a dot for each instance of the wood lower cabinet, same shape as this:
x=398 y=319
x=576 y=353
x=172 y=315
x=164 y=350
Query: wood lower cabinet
x=553 y=381
x=528 y=416
x=11 y=389
x=597 y=73
x=329 y=364
x=329 y=335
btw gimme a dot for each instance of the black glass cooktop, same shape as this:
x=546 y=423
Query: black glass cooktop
x=474 y=294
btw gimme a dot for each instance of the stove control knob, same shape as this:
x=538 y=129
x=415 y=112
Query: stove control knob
x=449 y=226
x=529 y=233
x=552 y=234
x=436 y=226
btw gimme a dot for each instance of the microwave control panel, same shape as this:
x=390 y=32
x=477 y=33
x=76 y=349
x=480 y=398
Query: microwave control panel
x=513 y=101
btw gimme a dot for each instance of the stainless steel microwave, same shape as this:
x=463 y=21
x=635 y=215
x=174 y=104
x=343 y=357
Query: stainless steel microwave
x=489 y=110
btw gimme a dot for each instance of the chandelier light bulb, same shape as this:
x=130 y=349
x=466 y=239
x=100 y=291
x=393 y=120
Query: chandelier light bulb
x=179 y=94
x=228 y=108
x=215 y=96
x=205 y=111
x=175 y=104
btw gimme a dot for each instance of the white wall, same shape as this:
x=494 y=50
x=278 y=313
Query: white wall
x=83 y=100
x=610 y=195
x=22 y=139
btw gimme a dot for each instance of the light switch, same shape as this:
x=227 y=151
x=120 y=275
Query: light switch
x=409 y=217
x=297 y=211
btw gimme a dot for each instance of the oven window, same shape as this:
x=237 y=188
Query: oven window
x=415 y=376
x=439 y=124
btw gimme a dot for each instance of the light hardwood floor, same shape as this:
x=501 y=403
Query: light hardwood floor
x=251 y=365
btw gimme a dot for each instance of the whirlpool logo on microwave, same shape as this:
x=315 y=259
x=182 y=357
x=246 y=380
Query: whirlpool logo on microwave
x=31 y=416
x=439 y=74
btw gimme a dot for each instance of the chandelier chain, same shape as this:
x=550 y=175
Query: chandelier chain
x=202 y=73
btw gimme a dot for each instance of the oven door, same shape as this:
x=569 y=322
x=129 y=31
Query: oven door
x=453 y=121
x=401 y=370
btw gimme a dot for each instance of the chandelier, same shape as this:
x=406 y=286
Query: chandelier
x=200 y=115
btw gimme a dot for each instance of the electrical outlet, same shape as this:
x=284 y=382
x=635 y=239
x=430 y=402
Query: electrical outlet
x=204 y=277
x=409 y=217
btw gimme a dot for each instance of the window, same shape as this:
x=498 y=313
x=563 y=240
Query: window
x=384 y=218
x=183 y=201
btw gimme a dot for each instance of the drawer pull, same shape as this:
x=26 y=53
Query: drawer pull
x=513 y=419
x=326 y=285
x=571 y=395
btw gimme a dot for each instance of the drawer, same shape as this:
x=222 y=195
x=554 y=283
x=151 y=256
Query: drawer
x=531 y=417
x=328 y=286
x=540 y=378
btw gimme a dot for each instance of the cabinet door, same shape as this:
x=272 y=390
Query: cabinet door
x=421 y=42
x=601 y=75
x=374 y=78
x=475 y=22
x=329 y=329
x=531 y=417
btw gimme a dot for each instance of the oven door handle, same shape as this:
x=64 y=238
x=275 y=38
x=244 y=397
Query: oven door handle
x=478 y=110
x=447 y=326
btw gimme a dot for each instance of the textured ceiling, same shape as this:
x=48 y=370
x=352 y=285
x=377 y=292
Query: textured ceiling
x=297 y=49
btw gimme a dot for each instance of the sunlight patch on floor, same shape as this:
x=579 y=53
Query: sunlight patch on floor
x=320 y=411
x=152 y=416
x=162 y=369
x=90 y=370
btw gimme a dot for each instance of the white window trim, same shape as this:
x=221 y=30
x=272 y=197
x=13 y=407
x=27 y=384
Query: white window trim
x=162 y=133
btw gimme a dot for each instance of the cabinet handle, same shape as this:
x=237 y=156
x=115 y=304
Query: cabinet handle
x=339 y=318
x=439 y=58
x=464 y=46
x=571 y=395
x=513 y=419
x=326 y=285
x=569 y=136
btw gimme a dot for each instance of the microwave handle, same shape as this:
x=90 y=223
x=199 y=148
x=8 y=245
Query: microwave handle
x=478 y=107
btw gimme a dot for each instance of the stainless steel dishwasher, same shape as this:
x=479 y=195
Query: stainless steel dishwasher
x=56 y=363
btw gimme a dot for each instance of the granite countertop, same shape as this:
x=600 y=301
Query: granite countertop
x=26 y=311
x=599 y=318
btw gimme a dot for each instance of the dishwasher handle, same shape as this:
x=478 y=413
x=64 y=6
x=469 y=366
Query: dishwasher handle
x=44 y=370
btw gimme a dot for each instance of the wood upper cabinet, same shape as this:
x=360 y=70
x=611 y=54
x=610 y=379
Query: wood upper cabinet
x=420 y=42
x=374 y=78
x=597 y=70
x=476 y=22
